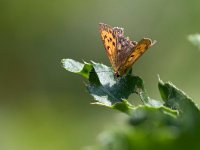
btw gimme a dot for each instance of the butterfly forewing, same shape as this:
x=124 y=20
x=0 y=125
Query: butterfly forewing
x=109 y=41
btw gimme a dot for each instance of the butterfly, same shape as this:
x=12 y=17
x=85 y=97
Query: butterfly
x=121 y=51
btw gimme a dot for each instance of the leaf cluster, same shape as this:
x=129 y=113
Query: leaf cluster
x=173 y=123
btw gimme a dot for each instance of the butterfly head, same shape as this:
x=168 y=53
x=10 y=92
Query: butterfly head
x=119 y=73
x=122 y=71
x=116 y=74
x=119 y=32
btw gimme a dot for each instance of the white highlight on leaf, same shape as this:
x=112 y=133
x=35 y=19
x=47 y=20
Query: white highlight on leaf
x=195 y=39
x=71 y=65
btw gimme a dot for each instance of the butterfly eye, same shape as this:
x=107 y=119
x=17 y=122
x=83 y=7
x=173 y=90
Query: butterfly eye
x=116 y=74
x=119 y=32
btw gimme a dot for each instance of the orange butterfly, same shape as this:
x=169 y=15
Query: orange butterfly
x=121 y=51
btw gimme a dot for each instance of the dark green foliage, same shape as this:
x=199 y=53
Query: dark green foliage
x=171 y=124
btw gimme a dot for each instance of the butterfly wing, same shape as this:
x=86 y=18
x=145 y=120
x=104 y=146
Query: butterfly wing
x=136 y=53
x=121 y=51
x=109 y=40
x=118 y=47
x=124 y=49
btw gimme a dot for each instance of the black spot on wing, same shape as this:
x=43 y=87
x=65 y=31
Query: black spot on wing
x=114 y=36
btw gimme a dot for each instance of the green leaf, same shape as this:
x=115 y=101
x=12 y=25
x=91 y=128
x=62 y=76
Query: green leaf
x=189 y=114
x=123 y=106
x=77 y=67
x=153 y=117
x=106 y=89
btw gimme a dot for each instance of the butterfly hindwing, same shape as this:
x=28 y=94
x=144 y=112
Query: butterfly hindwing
x=137 y=52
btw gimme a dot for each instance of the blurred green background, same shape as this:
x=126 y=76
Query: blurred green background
x=44 y=107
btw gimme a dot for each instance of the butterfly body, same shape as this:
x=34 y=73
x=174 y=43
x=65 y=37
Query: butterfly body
x=121 y=51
